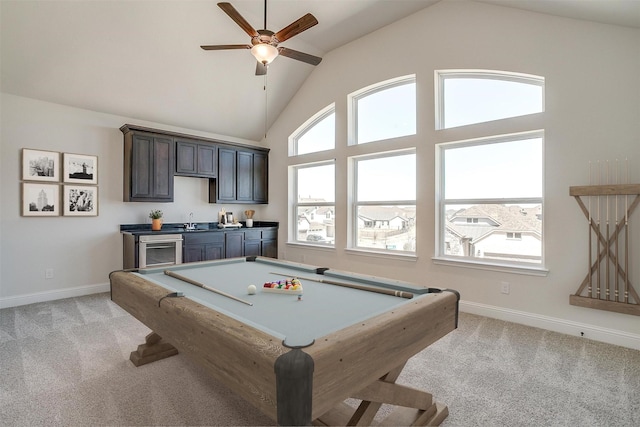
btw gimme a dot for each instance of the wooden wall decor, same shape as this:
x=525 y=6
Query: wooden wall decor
x=609 y=207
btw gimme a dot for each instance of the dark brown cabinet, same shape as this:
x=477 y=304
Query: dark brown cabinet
x=206 y=246
x=269 y=243
x=253 y=242
x=242 y=177
x=148 y=167
x=260 y=177
x=203 y=246
x=196 y=159
x=261 y=242
x=224 y=188
x=234 y=244
x=237 y=173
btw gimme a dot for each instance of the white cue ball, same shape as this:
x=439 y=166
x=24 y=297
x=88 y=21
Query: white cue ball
x=251 y=289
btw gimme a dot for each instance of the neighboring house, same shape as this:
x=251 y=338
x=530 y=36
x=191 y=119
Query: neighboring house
x=385 y=217
x=316 y=223
x=496 y=231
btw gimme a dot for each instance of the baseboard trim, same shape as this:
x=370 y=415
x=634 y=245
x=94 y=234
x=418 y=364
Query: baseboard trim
x=596 y=333
x=79 y=291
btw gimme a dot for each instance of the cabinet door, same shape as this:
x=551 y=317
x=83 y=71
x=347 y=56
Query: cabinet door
x=207 y=161
x=203 y=246
x=141 y=169
x=186 y=157
x=163 y=164
x=252 y=248
x=234 y=244
x=226 y=182
x=214 y=251
x=244 y=180
x=194 y=159
x=270 y=248
x=152 y=163
x=260 y=178
x=193 y=253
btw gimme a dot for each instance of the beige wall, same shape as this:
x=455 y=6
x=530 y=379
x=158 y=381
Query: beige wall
x=592 y=113
x=81 y=250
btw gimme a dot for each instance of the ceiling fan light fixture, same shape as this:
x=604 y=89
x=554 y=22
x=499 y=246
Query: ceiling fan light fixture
x=265 y=53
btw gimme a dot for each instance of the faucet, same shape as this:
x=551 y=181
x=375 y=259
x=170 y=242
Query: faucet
x=190 y=225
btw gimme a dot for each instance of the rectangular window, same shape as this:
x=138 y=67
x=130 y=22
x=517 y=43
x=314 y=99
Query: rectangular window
x=314 y=203
x=384 y=202
x=488 y=188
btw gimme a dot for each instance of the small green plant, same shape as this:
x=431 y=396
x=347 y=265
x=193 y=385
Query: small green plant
x=155 y=214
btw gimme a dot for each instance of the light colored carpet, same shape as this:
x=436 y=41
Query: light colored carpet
x=65 y=363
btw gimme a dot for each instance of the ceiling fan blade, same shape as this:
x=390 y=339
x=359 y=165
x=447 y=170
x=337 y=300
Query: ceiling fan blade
x=302 y=24
x=300 y=56
x=226 y=46
x=261 y=69
x=233 y=14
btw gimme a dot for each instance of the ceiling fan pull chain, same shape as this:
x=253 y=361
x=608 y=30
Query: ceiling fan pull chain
x=265 y=104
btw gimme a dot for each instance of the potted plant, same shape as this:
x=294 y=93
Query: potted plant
x=156 y=219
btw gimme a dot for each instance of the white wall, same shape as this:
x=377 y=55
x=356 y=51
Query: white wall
x=81 y=250
x=592 y=113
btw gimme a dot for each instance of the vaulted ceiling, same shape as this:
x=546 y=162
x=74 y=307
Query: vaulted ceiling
x=142 y=59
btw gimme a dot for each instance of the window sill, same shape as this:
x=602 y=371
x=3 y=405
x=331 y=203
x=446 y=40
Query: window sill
x=386 y=255
x=505 y=268
x=312 y=246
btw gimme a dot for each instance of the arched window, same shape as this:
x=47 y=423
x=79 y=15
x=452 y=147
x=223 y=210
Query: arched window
x=383 y=111
x=316 y=134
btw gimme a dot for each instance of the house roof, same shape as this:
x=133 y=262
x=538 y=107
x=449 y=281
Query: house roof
x=509 y=219
x=386 y=213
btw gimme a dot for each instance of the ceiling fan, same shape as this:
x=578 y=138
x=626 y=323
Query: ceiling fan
x=264 y=43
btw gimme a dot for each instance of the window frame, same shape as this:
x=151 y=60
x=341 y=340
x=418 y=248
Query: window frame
x=295 y=203
x=307 y=126
x=354 y=97
x=354 y=204
x=442 y=75
x=441 y=203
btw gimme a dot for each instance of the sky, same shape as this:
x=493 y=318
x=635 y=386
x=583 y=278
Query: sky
x=504 y=169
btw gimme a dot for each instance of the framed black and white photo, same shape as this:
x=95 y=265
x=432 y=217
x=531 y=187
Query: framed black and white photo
x=80 y=168
x=40 y=165
x=40 y=199
x=80 y=200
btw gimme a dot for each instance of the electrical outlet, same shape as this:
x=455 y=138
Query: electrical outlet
x=504 y=287
x=48 y=273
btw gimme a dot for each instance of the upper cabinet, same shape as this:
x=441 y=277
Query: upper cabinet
x=148 y=167
x=237 y=173
x=260 y=177
x=224 y=188
x=195 y=158
x=242 y=176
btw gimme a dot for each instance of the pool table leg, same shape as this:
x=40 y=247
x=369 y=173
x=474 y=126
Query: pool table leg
x=367 y=410
x=412 y=406
x=153 y=349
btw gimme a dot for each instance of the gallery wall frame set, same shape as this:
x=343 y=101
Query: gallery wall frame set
x=41 y=171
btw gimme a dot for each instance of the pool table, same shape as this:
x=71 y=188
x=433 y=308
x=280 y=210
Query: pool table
x=296 y=355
